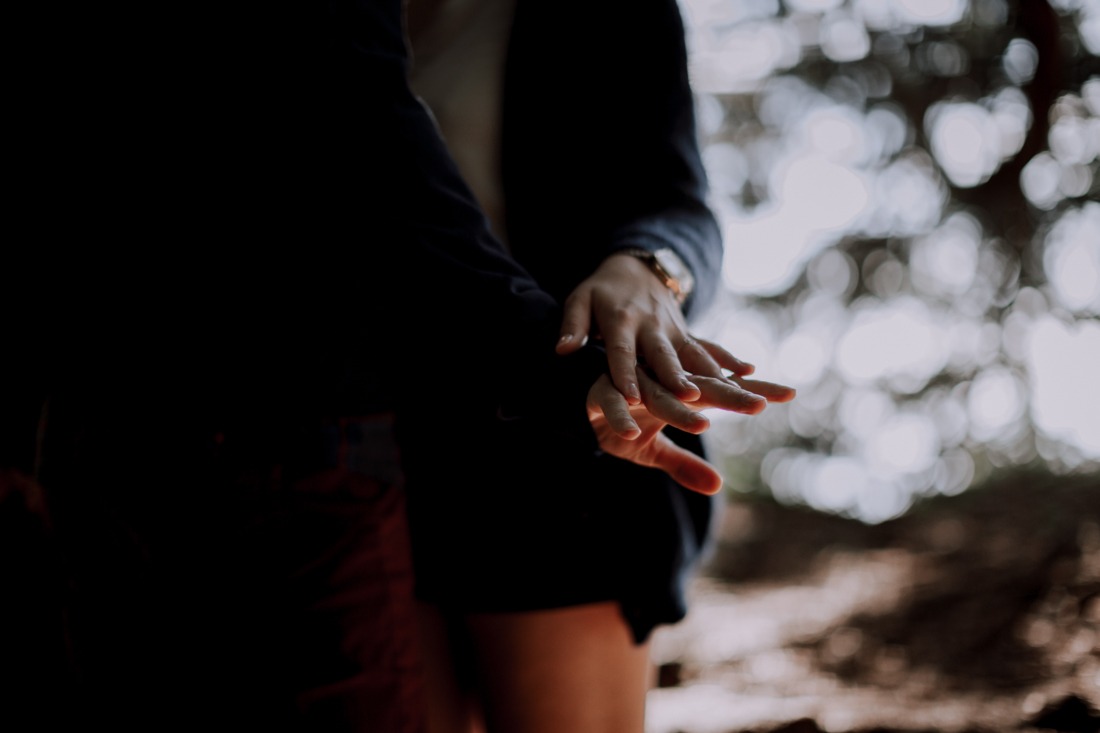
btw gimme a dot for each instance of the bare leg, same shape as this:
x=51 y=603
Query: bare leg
x=573 y=669
x=450 y=702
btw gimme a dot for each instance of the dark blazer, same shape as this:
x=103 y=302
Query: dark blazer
x=266 y=183
x=233 y=218
x=278 y=227
x=599 y=153
x=244 y=213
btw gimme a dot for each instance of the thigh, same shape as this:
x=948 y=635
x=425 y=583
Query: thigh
x=575 y=668
x=451 y=699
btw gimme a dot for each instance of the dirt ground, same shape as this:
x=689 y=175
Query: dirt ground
x=973 y=614
x=976 y=613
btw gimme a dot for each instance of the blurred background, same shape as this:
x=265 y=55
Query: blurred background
x=910 y=198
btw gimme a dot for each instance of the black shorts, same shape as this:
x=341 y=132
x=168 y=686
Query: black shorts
x=535 y=524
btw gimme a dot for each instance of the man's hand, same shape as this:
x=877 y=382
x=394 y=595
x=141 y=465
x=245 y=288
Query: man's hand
x=633 y=432
x=639 y=321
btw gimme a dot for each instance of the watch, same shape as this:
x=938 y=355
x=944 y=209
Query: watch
x=668 y=267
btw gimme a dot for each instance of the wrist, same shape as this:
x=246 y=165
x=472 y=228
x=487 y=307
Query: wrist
x=668 y=267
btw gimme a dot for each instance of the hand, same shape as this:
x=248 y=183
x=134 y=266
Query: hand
x=633 y=432
x=640 y=321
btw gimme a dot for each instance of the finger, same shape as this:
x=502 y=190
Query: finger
x=622 y=364
x=696 y=359
x=725 y=359
x=575 y=323
x=665 y=406
x=686 y=468
x=607 y=400
x=664 y=363
x=729 y=395
x=770 y=391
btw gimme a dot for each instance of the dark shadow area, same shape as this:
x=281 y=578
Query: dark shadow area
x=1006 y=586
x=39 y=684
x=995 y=594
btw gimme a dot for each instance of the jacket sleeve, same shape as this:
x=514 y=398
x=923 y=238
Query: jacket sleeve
x=472 y=318
x=294 y=208
x=607 y=133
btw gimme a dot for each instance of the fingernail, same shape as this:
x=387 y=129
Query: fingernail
x=566 y=338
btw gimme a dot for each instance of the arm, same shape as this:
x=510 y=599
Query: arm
x=293 y=126
x=489 y=327
x=293 y=203
x=627 y=145
x=461 y=263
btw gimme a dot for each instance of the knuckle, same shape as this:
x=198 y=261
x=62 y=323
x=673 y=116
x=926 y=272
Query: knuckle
x=665 y=349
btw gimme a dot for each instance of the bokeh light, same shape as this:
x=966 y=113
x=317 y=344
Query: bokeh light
x=1064 y=361
x=933 y=330
x=1072 y=259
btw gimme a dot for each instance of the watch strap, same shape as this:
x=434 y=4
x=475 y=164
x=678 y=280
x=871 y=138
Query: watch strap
x=670 y=281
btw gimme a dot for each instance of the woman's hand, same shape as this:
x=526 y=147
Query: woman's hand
x=640 y=322
x=633 y=432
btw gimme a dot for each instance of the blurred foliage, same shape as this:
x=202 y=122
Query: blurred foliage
x=909 y=190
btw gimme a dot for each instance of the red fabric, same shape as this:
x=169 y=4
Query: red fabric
x=213 y=584
x=365 y=594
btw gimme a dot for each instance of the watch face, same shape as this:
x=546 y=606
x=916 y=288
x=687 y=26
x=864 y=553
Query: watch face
x=672 y=264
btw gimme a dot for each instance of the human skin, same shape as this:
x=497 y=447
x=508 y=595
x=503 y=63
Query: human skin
x=639 y=321
x=634 y=432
